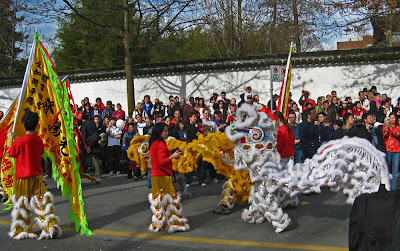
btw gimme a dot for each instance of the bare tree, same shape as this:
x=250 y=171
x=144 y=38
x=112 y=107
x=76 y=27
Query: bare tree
x=138 y=24
x=360 y=17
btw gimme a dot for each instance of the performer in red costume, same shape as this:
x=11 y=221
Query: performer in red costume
x=164 y=200
x=285 y=138
x=30 y=193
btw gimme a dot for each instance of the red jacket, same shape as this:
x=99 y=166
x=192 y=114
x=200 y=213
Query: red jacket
x=28 y=150
x=390 y=136
x=159 y=155
x=285 y=142
x=102 y=107
x=305 y=101
x=358 y=113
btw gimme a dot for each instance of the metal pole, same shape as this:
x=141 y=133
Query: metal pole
x=271 y=86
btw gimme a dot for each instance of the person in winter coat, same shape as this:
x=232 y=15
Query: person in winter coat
x=391 y=134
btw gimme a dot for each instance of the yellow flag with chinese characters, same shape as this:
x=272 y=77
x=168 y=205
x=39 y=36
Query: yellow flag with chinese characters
x=7 y=164
x=44 y=93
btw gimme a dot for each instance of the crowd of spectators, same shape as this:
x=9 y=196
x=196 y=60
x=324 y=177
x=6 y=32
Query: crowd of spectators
x=372 y=116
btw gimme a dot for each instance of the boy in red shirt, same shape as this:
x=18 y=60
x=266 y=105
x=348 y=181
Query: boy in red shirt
x=30 y=193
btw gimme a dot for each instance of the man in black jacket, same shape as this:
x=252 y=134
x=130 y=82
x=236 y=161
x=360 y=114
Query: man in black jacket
x=97 y=151
x=367 y=131
x=192 y=133
x=380 y=120
x=374 y=219
x=309 y=134
x=364 y=130
x=87 y=129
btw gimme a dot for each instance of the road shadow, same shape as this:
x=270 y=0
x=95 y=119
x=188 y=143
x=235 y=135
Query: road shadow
x=319 y=207
x=118 y=214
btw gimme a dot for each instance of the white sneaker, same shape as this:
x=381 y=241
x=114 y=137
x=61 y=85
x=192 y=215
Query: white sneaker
x=111 y=172
x=118 y=172
x=187 y=185
x=203 y=184
x=215 y=180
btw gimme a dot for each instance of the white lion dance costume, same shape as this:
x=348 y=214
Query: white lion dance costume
x=353 y=165
x=32 y=201
x=166 y=207
x=256 y=172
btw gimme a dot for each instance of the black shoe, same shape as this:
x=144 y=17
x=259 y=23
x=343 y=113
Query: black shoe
x=222 y=210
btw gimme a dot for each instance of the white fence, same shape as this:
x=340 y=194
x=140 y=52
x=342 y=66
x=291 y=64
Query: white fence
x=347 y=80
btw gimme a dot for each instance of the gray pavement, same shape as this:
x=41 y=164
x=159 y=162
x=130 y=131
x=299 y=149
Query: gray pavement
x=119 y=207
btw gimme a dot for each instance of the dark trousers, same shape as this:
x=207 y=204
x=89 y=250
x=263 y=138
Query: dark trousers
x=85 y=160
x=104 y=159
x=208 y=166
x=133 y=168
x=48 y=167
x=200 y=173
x=309 y=150
x=114 y=155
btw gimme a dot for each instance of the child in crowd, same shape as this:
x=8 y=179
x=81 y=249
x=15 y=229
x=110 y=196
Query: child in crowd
x=338 y=131
x=181 y=132
x=248 y=92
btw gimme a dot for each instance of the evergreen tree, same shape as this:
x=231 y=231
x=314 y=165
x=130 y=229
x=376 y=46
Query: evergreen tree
x=9 y=37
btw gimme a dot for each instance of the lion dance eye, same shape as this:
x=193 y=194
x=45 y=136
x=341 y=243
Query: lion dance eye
x=257 y=134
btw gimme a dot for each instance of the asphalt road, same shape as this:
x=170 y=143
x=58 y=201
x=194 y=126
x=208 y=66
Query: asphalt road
x=119 y=213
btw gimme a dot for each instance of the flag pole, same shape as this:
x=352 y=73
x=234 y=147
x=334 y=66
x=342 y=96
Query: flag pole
x=285 y=78
x=25 y=81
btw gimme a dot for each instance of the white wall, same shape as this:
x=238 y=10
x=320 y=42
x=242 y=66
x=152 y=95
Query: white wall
x=7 y=96
x=346 y=80
x=114 y=90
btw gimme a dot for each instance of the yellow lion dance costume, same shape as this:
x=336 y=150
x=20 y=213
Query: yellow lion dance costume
x=214 y=148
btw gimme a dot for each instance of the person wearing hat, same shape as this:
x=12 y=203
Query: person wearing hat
x=221 y=124
x=306 y=100
x=363 y=100
x=365 y=90
x=249 y=100
x=108 y=111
